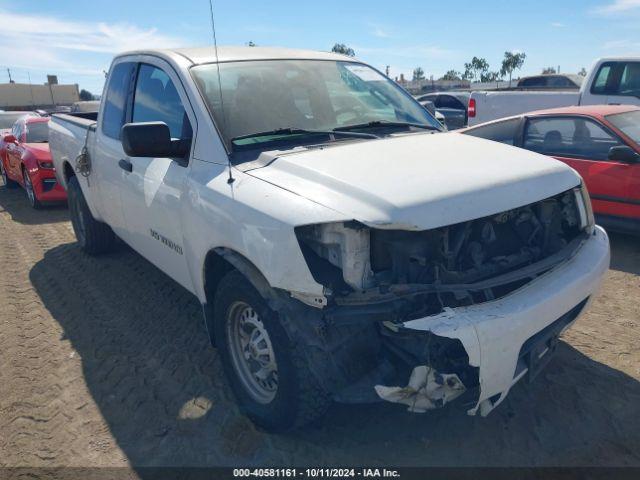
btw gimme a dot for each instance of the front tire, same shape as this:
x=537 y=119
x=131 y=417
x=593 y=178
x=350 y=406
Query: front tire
x=31 y=193
x=93 y=236
x=267 y=371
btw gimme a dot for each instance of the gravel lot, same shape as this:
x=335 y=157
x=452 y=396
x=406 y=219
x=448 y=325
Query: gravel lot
x=104 y=361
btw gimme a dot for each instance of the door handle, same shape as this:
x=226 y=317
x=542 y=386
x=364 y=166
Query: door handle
x=125 y=165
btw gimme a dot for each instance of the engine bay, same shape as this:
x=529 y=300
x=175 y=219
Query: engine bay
x=455 y=265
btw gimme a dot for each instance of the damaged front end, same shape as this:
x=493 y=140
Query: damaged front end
x=378 y=281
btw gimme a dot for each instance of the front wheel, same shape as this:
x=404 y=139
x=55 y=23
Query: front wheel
x=267 y=371
x=93 y=236
x=31 y=193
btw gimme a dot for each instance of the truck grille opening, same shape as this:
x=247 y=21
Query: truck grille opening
x=471 y=262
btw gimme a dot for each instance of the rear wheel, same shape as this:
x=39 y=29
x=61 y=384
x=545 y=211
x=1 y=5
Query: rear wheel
x=267 y=371
x=5 y=178
x=31 y=194
x=93 y=236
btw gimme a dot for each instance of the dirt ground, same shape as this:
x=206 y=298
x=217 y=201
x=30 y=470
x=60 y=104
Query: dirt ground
x=104 y=362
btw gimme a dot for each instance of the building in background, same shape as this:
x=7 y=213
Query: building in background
x=26 y=96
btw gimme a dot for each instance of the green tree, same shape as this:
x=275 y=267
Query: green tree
x=418 y=74
x=251 y=43
x=85 y=95
x=475 y=69
x=343 y=49
x=451 y=75
x=512 y=61
x=548 y=70
x=583 y=72
x=490 y=77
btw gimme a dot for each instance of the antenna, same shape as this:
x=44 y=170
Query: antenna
x=215 y=47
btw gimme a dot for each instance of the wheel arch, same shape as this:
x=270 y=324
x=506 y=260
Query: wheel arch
x=218 y=262
x=67 y=171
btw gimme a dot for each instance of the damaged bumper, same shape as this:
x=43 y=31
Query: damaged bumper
x=511 y=337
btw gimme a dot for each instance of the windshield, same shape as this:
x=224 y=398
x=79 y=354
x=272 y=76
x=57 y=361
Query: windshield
x=264 y=96
x=8 y=119
x=628 y=123
x=37 y=132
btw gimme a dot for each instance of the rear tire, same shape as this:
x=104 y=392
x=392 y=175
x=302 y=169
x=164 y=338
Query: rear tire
x=8 y=183
x=93 y=236
x=297 y=398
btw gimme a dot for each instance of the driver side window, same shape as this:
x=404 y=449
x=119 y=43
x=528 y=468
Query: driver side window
x=157 y=100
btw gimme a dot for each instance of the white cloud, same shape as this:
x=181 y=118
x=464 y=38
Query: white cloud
x=411 y=51
x=616 y=7
x=558 y=24
x=622 y=46
x=379 y=31
x=48 y=44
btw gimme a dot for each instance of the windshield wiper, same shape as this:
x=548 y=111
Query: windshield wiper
x=383 y=123
x=301 y=131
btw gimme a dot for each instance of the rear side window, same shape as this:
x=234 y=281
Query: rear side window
x=157 y=100
x=503 y=132
x=447 y=101
x=115 y=103
x=569 y=137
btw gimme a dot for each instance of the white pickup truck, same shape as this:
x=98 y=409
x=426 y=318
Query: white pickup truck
x=614 y=80
x=342 y=247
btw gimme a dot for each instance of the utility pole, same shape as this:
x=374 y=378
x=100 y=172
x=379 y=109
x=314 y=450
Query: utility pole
x=9 y=72
x=33 y=102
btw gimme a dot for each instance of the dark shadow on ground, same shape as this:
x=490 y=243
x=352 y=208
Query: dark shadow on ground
x=625 y=252
x=160 y=388
x=14 y=201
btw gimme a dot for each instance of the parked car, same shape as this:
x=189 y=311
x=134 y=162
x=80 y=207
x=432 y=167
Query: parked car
x=431 y=108
x=7 y=119
x=452 y=105
x=27 y=162
x=551 y=81
x=610 y=81
x=601 y=142
x=342 y=247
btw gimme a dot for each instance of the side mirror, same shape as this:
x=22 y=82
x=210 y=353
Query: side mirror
x=429 y=106
x=151 y=139
x=9 y=138
x=623 y=153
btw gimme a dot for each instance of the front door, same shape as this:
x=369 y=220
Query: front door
x=152 y=191
x=584 y=144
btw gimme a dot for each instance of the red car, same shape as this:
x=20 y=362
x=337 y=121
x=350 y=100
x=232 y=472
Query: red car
x=25 y=160
x=601 y=142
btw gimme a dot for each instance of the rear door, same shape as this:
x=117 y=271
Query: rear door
x=152 y=191
x=584 y=144
x=108 y=149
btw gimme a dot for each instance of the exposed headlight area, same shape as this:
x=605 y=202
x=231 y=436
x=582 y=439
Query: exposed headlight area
x=457 y=265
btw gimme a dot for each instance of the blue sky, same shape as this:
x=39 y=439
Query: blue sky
x=76 y=39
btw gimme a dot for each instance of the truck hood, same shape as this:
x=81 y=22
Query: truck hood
x=417 y=181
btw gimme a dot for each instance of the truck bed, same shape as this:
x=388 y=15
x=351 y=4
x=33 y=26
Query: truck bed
x=68 y=134
x=499 y=104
